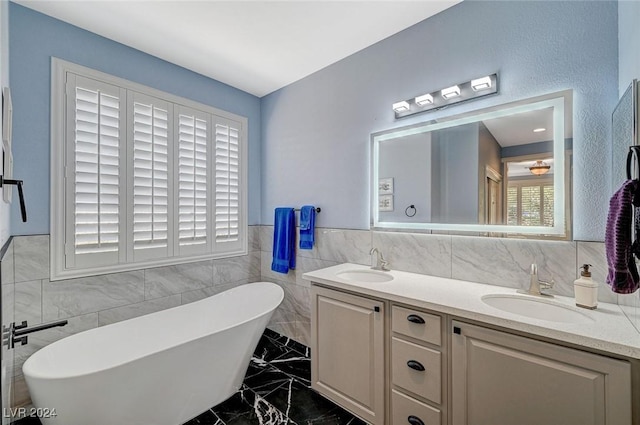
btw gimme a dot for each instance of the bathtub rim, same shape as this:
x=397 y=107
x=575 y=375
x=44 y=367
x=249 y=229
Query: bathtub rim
x=43 y=376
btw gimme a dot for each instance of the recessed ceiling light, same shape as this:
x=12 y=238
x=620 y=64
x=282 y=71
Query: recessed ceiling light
x=539 y=130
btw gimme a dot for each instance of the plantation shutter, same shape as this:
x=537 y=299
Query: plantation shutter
x=547 y=203
x=149 y=178
x=93 y=173
x=141 y=178
x=530 y=203
x=513 y=206
x=193 y=181
x=227 y=182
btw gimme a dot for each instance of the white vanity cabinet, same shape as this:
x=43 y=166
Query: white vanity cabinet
x=396 y=364
x=347 y=351
x=418 y=367
x=501 y=379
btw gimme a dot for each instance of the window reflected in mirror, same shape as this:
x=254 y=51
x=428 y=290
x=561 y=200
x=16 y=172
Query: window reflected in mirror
x=529 y=196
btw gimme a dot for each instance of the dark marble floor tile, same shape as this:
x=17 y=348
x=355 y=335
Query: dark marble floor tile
x=269 y=349
x=271 y=334
x=269 y=414
x=300 y=348
x=237 y=404
x=306 y=407
x=256 y=367
x=295 y=365
x=207 y=418
x=287 y=342
x=267 y=381
x=246 y=408
x=28 y=421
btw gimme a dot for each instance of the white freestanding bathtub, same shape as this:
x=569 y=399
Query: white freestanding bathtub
x=160 y=369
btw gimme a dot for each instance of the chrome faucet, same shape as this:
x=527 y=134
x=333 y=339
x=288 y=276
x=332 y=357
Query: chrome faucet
x=381 y=263
x=536 y=286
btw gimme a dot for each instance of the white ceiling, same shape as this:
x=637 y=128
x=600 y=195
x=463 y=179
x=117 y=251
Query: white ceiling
x=256 y=46
x=517 y=129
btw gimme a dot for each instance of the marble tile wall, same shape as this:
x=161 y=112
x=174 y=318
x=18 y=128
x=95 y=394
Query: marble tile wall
x=92 y=302
x=333 y=246
x=100 y=300
x=7 y=308
x=497 y=261
x=630 y=304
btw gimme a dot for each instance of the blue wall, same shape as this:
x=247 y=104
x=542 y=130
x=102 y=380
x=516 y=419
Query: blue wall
x=629 y=43
x=315 y=134
x=5 y=208
x=34 y=39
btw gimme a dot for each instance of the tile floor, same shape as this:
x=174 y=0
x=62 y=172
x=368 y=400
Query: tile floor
x=276 y=391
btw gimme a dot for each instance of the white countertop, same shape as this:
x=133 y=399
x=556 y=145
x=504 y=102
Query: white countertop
x=611 y=331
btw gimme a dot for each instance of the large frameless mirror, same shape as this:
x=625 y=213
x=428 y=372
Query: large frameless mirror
x=503 y=170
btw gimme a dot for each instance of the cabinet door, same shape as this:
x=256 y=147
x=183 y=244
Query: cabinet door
x=347 y=351
x=503 y=379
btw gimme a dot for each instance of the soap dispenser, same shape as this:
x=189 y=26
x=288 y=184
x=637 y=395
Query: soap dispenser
x=586 y=290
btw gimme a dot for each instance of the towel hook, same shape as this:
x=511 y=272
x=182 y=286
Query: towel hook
x=633 y=151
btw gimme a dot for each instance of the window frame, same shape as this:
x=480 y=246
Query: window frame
x=59 y=248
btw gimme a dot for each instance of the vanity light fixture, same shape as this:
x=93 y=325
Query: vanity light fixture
x=481 y=83
x=450 y=92
x=425 y=99
x=539 y=168
x=539 y=130
x=401 y=106
x=437 y=99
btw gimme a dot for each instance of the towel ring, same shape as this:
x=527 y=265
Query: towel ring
x=410 y=207
x=633 y=151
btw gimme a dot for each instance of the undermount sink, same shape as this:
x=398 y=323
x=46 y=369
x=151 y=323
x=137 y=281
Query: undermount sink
x=535 y=308
x=365 y=276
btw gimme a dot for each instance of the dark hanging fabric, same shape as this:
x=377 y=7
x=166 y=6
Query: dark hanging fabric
x=623 y=276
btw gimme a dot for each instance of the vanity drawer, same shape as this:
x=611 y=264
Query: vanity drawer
x=416 y=324
x=416 y=368
x=409 y=411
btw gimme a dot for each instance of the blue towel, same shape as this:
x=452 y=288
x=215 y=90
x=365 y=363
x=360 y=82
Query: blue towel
x=307 y=226
x=284 y=241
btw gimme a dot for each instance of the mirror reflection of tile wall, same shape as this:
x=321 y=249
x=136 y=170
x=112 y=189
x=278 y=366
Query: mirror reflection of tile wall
x=630 y=304
x=623 y=125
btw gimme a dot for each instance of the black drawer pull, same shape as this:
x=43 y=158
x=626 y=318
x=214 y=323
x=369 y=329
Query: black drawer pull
x=414 y=318
x=415 y=365
x=414 y=420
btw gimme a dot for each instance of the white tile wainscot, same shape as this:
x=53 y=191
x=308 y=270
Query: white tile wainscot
x=95 y=301
x=472 y=258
